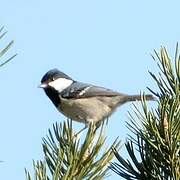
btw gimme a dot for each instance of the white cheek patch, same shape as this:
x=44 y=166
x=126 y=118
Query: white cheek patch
x=60 y=84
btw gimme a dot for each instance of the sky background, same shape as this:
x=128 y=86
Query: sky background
x=107 y=43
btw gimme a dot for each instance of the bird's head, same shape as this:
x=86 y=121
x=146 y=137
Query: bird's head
x=55 y=79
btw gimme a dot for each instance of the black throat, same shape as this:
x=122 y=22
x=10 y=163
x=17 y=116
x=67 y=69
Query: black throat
x=53 y=95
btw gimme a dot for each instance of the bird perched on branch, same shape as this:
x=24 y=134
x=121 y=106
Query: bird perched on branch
x=83 y=102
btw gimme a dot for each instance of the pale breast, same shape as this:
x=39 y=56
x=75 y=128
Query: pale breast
x=85 y=110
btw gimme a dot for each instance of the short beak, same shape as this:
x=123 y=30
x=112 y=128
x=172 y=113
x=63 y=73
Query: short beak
x=43 y=85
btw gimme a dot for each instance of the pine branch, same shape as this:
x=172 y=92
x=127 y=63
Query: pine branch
x=4 y=51
x=7 y=47
x=68 y=157
x=155 y=152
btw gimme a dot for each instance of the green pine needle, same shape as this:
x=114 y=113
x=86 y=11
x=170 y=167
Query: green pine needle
x=69 y=157
x=7 y=47
x=155 y=150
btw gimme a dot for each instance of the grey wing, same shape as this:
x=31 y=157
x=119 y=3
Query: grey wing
x=82 y=90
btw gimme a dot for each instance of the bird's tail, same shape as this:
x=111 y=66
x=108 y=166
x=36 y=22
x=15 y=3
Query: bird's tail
x=148 y=97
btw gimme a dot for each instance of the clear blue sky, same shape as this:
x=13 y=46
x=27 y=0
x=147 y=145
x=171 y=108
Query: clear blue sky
x=107 y=43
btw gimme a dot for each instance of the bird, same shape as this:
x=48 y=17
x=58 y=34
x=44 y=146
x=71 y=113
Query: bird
x=83 y=102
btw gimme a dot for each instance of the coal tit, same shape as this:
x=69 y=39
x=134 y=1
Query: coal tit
x=83 y=102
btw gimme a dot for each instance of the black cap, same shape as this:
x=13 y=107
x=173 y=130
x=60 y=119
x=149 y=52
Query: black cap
x=54 y=74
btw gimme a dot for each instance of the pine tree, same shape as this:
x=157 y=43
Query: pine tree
x=154 y=149
x=67 y=156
